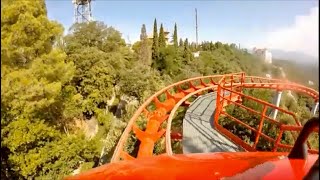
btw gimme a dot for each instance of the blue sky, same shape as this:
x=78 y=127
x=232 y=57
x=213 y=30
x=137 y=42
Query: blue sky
x=250 y=23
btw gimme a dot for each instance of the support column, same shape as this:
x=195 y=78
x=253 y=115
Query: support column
x=315 y=108
x=276 y=101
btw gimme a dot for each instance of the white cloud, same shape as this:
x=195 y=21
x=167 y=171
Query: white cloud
x=302 y=36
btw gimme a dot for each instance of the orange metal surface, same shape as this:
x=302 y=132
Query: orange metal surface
x=205 y=166
x=234 y=83
x=222 y=100
x=168 y=130
x=146 y=143
x=262 y=165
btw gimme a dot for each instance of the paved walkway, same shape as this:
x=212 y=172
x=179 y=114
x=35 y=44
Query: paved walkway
x=199 y=135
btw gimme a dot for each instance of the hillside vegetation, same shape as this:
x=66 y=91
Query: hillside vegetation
x=56 y=88
x=300 y=73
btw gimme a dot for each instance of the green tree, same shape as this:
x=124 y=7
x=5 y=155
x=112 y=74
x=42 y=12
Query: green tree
x=233 y=46
x=35 y=92
x=94 y=77
x=137 y=45
x=97 y=67
x=160 y=62
x=193 y=47
x=171 y=61
x=162 y=38
x=93 y=34
x=218 y=45
x=144 y=82
x=211 y=46
x=144 y=51
x=187 y=55
x=37 y=32
x=181 y=43
x=155 y=44
x=175 y=36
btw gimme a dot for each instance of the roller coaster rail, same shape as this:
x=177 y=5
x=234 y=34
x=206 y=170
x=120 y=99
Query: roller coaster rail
x=231 y=83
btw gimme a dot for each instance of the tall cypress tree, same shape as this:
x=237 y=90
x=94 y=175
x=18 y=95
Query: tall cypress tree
x=186 y=44
x=143 y=34
x=186 y=52
x=175 y=36
x=162 y=38
x=144 y=51
x=181 y=43
x=155 y=45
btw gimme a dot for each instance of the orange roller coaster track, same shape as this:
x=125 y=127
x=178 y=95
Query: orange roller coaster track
x=229 y=89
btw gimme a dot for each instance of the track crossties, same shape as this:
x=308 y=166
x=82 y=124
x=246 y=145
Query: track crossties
x=199 y=135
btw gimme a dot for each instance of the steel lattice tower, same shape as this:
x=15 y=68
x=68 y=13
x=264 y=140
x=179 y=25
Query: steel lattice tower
x=82 y=11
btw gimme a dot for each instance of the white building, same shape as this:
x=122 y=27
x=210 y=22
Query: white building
x=264 y=54
x=196 y=54
x=268 y=75
x=310 y=83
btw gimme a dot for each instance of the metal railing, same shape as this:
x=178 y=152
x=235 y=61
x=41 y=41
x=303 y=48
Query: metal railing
x=156 y=117
x=234 y=83
x=275 y=84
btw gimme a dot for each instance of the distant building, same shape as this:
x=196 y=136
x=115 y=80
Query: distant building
x=196 y=54
x=268 y=75
x=263 y=54
x=310 y=83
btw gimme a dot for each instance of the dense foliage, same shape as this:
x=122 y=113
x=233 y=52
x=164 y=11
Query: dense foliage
x=66 y=99
x=36 y=97
x=299 y=104
x=300 y=73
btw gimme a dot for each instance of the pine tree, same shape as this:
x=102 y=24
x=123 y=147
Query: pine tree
x=181 y=43
x=187 y=55
x=162 y=39
x=37 y=33
x=144 y=52
x=36 y=97
x=155 y=44
x=186 y=43
x=211 y=46
x=143 y=34
x=175 y=36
